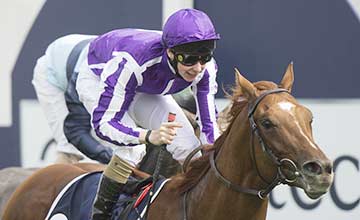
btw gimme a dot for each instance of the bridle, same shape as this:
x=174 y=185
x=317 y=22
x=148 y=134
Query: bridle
x=279 y=178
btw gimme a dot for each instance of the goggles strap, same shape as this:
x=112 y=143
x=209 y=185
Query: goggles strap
x=174 y=65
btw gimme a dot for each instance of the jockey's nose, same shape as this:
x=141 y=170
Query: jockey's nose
x=198 y=67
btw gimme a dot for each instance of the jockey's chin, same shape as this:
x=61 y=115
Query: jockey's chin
x=189 y=77
x=189 y=73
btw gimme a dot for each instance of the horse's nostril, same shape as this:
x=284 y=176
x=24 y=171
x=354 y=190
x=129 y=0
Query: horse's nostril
x=313 y=167
x=328 y=168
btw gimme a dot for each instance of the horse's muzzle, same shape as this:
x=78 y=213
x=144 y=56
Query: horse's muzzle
x=317 y=177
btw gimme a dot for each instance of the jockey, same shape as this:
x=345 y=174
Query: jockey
x=54 y=83
x=126 y=83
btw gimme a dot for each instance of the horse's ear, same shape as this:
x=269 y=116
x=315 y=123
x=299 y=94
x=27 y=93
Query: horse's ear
x=247 y=88
x=288 y=78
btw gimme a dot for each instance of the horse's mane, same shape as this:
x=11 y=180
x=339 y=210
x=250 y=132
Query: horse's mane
x=198 y=167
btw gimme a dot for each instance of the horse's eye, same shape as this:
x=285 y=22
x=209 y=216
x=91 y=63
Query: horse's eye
x=267 y=124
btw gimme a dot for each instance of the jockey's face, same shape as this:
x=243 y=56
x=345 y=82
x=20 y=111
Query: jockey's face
x=188 y=72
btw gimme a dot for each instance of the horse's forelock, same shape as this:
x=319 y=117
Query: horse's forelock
x=239 y=101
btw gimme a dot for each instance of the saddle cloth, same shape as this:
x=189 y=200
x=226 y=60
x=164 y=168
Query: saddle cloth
x=75 y=200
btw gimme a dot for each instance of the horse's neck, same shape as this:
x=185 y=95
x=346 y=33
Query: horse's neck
x=234 y=162
x=235 y=153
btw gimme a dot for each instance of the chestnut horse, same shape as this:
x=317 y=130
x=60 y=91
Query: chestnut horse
x=268 y=141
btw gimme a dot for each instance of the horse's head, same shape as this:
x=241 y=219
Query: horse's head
x=284 y=126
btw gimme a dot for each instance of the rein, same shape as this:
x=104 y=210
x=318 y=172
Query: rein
x=279 y=178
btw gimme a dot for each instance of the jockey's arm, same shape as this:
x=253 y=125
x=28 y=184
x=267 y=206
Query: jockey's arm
x=204 y=91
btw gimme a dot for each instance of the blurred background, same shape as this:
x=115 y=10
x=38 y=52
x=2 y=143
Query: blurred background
x=259 y=37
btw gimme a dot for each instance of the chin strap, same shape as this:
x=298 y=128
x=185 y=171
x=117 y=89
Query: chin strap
x=174 y=64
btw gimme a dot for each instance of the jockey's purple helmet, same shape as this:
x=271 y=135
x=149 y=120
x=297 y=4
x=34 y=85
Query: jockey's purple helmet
x=187 y=26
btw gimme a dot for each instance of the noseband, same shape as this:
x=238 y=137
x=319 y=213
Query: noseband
x=279 y=178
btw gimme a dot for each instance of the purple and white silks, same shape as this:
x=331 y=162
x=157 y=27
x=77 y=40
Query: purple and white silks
x=130 y=61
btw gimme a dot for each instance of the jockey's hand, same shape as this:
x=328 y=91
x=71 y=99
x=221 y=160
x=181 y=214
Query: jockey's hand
x=165 y=134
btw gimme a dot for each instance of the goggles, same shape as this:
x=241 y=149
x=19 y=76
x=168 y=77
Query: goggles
x=190 y=60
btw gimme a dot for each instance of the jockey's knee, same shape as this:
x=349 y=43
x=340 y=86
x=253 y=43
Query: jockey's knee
x=180 y=154
x=182 y=146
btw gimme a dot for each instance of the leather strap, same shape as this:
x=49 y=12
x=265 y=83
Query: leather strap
x=147 y=136
x=226 y=182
